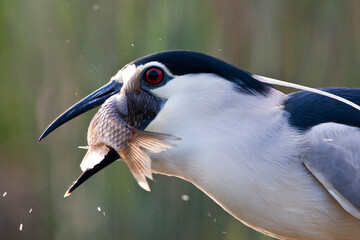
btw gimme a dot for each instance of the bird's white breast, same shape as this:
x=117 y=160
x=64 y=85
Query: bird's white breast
x=239 y=149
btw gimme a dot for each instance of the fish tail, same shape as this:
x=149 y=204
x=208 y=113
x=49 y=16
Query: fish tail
x=139 y=164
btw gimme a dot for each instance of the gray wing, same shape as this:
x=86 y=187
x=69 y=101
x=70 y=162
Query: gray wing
x=335 y=162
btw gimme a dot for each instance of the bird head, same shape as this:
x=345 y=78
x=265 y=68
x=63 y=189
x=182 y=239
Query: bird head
x=155 y=71
x=187 y=84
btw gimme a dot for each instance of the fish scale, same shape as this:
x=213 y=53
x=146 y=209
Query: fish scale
x=111 y=127
x=111 y=131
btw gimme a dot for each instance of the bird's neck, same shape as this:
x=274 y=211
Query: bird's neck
x=231 y=144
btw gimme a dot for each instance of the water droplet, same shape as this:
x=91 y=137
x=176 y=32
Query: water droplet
x=185 y=197
x=96 y=7
x=5 y=193
x=21 y=227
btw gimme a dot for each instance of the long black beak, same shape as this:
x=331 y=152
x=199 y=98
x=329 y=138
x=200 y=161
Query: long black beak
x=109 y=158
x=93 y=100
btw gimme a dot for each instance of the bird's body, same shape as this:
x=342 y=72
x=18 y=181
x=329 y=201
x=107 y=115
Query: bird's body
x=258 y=178
x=245 y=145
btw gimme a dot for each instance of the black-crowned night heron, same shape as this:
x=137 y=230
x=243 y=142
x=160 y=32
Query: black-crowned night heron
x=285 y=165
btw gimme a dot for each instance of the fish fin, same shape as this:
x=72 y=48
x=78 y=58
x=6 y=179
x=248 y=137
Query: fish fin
x=139 y=164
x=121 y=104
x=93 y=156
x=154 y=142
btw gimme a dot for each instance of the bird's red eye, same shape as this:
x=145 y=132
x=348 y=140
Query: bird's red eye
x=154 y=76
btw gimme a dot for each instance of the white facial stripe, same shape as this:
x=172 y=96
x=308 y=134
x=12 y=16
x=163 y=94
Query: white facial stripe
x=125 y=74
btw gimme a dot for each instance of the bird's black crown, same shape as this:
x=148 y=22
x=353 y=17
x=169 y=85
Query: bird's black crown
x=181 y=62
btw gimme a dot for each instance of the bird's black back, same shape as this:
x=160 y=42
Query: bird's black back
x=307 y=109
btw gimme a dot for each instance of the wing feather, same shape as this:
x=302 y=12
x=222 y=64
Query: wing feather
x=333 y=157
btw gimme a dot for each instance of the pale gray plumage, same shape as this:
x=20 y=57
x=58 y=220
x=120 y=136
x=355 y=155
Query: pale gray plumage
x=335 y=162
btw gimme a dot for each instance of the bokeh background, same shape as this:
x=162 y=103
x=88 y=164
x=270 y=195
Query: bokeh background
x=53 y=53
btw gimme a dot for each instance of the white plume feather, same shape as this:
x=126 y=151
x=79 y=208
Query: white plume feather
x=301 y=87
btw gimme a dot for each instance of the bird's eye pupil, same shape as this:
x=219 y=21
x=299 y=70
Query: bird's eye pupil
x=154 y=76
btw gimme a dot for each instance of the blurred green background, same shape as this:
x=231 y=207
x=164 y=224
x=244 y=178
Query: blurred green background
x=53 y=53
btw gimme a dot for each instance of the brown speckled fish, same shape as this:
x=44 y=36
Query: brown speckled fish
x=108 y=130
x=114 y=127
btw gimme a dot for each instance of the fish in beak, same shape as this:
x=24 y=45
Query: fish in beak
x=116 y=130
